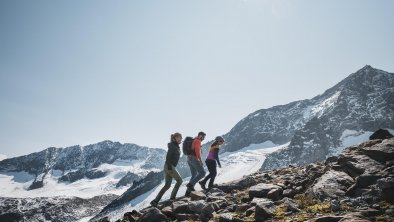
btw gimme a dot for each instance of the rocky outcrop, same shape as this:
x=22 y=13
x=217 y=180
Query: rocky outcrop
x=357 y=185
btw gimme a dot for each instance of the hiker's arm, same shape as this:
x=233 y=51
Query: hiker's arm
x=216 y=156
x=198 y=149
x=170 y=155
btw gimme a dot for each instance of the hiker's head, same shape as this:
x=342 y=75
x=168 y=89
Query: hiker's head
x=176 y=137
x=219 y=139
x=201 y=135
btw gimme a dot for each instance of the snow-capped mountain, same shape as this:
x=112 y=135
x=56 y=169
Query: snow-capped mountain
x=83 y=171
x=72 y=175
x=51 y=208
x=318 y=127
x=355 y=107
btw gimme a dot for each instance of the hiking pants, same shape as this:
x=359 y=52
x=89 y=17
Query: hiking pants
x=211 y=164
x=196 y=169
x=169 y=174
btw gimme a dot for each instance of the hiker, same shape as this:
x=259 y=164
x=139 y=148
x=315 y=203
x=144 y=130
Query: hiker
x=170 y=172
x=195 y=163
x=212 y=158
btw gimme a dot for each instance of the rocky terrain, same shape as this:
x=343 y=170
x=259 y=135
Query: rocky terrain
x=357 y=185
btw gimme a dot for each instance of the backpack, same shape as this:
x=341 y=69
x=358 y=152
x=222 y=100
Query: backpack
x=187 y=146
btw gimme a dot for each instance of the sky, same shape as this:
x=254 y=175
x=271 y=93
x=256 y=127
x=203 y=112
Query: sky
x=80 y=72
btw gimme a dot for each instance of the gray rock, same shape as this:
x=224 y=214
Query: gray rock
x=274 y=194
x=226 y=217
x=261 y=190
x=288 y=193
x=215 y=192
x=181 y=207
x=209 y=209
x=264 y=211
x=291 y=205
x=381 y=152
x=197 y=206
x=331 y=185
x=197 y=195
x=153 y=214
x=335 y=206
x=168 y=211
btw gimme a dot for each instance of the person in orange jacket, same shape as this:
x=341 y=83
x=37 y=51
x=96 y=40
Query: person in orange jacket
x=195 y=163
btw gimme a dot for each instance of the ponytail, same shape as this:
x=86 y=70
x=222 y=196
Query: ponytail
x=172 y=138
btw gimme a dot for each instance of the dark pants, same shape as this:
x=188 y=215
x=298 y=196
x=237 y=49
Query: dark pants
x=211 y=164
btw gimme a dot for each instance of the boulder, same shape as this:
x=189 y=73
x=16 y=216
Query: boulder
x=263 y=211
x=381 y=152
x=197 y=195
x=197 y=206
x=181 y=207
x=274 y=194
x=261 y=190
x=168 y=211
x=332 y=184
x=288 y=193
x=381 y=134
x=291 y=205
x=153 y=214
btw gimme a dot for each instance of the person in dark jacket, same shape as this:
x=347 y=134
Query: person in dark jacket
x=212 y=159
x=170 y=172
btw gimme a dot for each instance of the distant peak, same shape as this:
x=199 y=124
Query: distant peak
x=366 y=68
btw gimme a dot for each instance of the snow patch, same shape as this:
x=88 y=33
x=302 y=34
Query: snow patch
x=321 y=108
x=350 y=138
x=391 y=131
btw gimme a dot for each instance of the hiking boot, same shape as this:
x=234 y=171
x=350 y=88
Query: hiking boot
x=153 y=203
x=202 y=184
x=190 y=186
x=188 y=191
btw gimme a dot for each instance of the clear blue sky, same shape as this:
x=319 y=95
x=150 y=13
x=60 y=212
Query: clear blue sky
x=79 y=72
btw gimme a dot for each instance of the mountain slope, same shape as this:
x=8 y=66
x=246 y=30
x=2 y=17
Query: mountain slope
x=362 y=102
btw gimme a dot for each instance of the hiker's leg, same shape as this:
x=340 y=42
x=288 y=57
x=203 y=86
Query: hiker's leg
x=200 y=172
x=167 y=185
x=214 y=173
x=193 y=170
x=178 y=179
